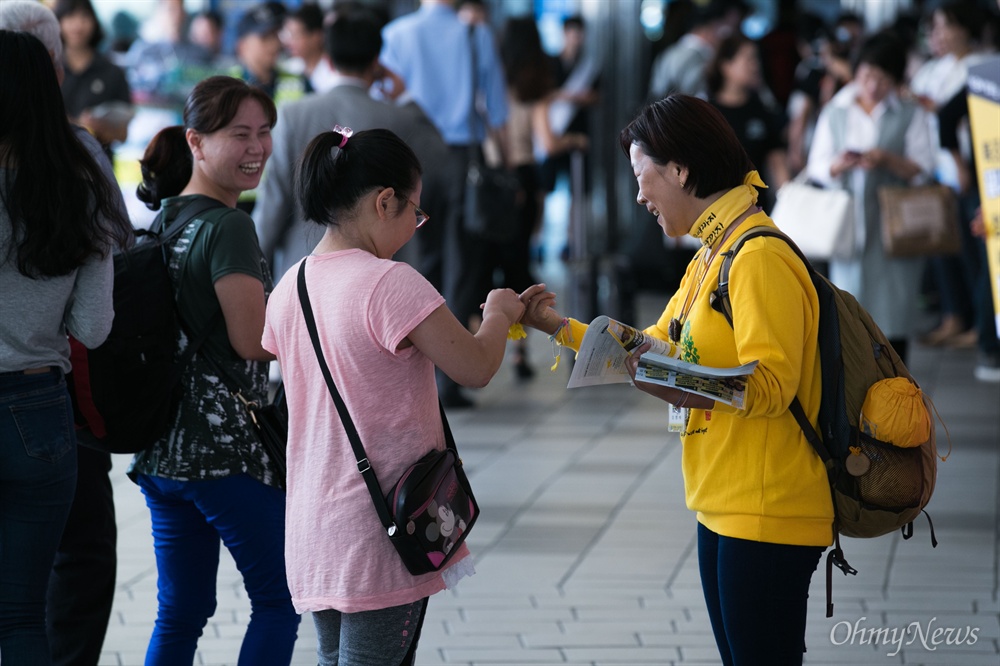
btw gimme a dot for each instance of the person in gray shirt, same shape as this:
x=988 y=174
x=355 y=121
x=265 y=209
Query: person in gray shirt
x=56 y=275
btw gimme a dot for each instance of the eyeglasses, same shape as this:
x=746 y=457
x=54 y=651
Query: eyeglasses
x=422 y=217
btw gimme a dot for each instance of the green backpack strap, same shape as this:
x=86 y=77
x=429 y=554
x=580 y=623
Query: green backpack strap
x=721 y=303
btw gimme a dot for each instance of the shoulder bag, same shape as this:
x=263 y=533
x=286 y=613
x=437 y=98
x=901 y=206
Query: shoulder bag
x=919 y=220
x=430 y=510
x=819 y=220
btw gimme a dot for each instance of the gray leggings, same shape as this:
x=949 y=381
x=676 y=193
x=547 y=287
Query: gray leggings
x=384 y=637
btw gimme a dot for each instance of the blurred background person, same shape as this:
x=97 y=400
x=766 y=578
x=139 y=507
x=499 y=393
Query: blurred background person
x=56 y=274
x=302 y=37
x=258 y=49
x=530 y=90
x=681 y=68
x=868 y=137
x=95 y=90
x=955 y=42
x=576 y=75
x=207 y=30
x=734 y=82
x=163 y=65
x=805 y=100
x=432 y=51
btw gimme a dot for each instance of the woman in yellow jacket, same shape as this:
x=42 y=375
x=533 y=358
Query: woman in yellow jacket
x=760 y=492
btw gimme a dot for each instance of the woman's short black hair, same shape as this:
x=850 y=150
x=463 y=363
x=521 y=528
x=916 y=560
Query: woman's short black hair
x=691 y=133
x=887 y=52
x=331 y=179
x=65 y=7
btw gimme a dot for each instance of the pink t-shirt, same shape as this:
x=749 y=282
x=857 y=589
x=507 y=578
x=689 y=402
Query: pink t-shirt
x=336 y=552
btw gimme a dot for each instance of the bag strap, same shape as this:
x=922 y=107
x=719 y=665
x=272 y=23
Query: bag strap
x=189 y=212
x=474 y=113
x=364 y=466
x=722 y=303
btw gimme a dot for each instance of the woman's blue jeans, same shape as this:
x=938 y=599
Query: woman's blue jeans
x=189 y=520
x=756 y=595
x=37 y=481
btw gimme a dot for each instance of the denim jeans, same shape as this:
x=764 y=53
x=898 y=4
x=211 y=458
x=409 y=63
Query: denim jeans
x=756 y=595
x=189 y=520
x=37 y=481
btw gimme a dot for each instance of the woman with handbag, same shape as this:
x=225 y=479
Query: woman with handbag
x=381 y=328
x=866 y=138
x=760 y=491
x=209 y=478
x=56 y=277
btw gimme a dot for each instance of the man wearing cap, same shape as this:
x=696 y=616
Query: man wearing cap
x=258 y=48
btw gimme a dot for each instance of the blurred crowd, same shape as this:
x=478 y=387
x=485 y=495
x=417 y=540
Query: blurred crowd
x=773 y=90
x=842 y=105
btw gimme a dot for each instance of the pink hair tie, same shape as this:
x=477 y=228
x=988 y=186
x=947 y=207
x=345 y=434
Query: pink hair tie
x=345 y=132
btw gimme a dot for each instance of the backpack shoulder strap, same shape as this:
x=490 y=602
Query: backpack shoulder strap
x=190 y=211
x=721 y=303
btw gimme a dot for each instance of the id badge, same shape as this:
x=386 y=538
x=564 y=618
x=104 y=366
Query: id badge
x=678 y=419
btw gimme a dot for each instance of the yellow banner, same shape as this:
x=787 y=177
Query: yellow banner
x=984 y=116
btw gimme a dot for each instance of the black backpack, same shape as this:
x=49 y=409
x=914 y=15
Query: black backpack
x=126 y=390
x=854 y=355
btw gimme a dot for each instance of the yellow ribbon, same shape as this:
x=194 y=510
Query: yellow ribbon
x=516 y=332
x=712 y=223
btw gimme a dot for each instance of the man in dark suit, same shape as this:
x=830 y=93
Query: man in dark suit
x=353 y=43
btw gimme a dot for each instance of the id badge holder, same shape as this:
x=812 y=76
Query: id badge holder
x=677 y=419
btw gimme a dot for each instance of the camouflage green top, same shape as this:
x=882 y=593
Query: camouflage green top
x=211 y=435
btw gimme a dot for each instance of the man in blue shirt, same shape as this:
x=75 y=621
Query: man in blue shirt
x=431 y=50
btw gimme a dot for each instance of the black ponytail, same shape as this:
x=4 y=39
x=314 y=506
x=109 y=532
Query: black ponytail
x=332 y=179
x=166 y=167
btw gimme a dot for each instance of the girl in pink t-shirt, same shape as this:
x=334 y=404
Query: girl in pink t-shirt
x=383 y=329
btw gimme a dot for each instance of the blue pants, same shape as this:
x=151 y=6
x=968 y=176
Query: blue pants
x=756 y=595
x=37 y=480
x=189 y=519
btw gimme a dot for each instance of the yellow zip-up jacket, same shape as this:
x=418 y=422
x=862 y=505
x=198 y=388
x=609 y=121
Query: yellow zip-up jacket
x=750 y=473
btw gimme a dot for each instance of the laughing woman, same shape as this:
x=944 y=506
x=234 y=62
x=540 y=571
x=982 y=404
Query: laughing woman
x=208 y=479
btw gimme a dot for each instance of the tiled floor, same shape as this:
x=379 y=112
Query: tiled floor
x=585 y=551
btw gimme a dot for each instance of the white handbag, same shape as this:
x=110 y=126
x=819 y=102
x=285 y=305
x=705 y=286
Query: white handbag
x=820 y=221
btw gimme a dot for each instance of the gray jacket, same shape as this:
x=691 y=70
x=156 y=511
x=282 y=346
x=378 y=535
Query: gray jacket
x=285 y=237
